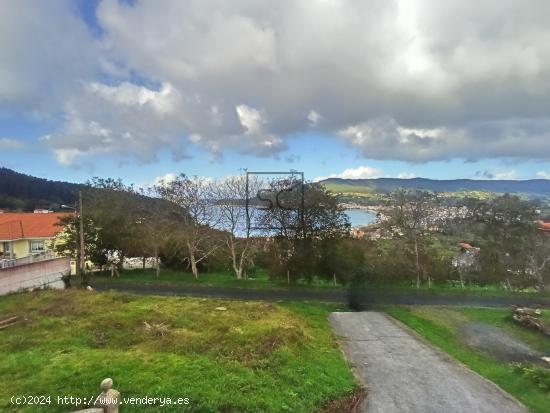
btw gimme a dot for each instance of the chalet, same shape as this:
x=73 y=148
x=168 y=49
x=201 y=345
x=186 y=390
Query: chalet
x=24 y=234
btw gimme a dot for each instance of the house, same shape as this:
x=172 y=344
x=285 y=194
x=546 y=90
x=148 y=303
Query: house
x=544 y=226
x=468 y=257
x=24 y=234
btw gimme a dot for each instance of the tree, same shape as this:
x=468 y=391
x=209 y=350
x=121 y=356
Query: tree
x=129 y=221
x=157 y=221
x=67 y=242
x=114 y=209
x=505 y=229
x=412 y=216
x=538 y=259
x=300 y=231
x=196 y=237
x=230 y=194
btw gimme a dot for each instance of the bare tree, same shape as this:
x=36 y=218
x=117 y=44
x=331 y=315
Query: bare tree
x=230 y=194
x=412 y=216
x=195 y=196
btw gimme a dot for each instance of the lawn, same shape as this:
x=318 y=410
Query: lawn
x=444 y=327
x=215 y=279
x=250 y=357
x=261 y=280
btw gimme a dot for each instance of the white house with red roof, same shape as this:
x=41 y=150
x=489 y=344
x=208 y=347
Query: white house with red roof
x=23 y=234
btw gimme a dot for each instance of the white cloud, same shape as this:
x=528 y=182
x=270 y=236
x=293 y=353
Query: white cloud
x=165 y=179
x=250 y=118
x=45 y=50
x=412 y=80
x=361 y=172
x=130 y=95
x=406 y=175
x=504 y=175
x=67 y=156
x=543 y=175
x=8 y=143
x=313 y=117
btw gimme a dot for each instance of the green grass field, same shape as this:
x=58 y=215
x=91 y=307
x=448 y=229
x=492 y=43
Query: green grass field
x=261 y=280
x=216 y=279
x=441 y=326
x=253 y=357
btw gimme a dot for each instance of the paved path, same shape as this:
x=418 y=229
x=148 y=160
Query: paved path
x=405 y=375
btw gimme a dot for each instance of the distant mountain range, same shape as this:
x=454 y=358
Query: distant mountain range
x=532 y=187
x=24 y=192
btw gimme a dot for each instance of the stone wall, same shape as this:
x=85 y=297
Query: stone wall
x=44 y=274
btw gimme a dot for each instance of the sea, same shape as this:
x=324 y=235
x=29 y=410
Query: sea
x=360 y=217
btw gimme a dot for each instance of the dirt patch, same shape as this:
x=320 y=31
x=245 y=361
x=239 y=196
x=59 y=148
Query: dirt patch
x=498 y=343
x=347 y=404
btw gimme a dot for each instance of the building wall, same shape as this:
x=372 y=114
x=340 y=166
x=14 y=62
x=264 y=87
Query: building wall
x=21 y=248
x=32 y=276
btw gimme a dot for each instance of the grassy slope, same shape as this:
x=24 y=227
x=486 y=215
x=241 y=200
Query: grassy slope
x=440 y=326
x=252 y=357
x=349 y=189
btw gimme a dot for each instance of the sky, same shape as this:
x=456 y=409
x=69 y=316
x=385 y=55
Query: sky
x=138 y=89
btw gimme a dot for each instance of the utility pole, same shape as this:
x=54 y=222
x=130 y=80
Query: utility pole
x=81 y=255
x=82 y=263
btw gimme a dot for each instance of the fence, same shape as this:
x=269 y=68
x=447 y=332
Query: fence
x=43 y=256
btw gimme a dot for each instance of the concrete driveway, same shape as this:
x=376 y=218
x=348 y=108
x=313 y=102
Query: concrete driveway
x=405 y=375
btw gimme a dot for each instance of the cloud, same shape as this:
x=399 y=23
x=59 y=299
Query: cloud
x=313 y=118
x=498 y=175
x=8 y=143
x=165 y=179
x=45 y=50
x=410 y=80
x=361 y=172
x=406 y=175
x=543 y=175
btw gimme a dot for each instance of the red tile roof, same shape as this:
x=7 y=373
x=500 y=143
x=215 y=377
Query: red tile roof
x=28 y=225
x=544 y=226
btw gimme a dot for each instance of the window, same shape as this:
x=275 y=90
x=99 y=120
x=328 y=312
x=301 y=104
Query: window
x=7 y=247
x=37 y=246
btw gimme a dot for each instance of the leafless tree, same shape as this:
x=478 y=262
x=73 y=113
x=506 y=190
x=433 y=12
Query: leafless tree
x=230 y=194
x=197 y=237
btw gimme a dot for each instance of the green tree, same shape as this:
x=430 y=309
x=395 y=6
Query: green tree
x=413 y=216
x=505 y=229
x=301 y=230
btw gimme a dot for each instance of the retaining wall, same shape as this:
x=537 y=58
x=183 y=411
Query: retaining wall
x=43 y=274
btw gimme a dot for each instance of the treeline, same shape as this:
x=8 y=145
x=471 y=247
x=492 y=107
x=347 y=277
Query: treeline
x=20 y=192
x=199 y=225
x=429 y=241
x=298 y=231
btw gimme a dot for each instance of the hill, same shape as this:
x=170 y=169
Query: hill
x=372 y=191
x=20 y=192
x=384 y=185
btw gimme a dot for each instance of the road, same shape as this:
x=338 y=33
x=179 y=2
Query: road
x=341 y=297
x=405 y=375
